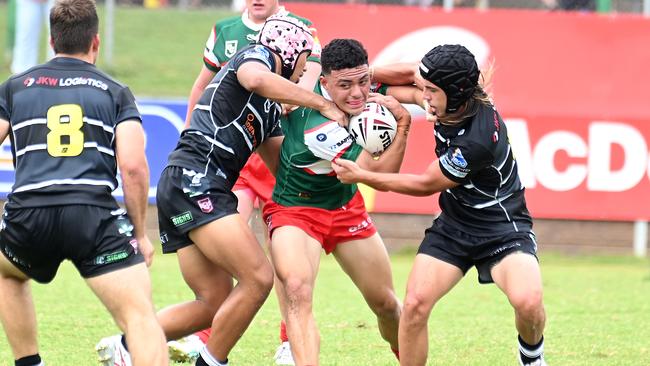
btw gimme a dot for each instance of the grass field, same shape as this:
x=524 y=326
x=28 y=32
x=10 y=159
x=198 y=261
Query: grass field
x=157 y=52
x=598 y=314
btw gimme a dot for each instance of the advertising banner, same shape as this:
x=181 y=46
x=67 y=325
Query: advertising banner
x=571 y=87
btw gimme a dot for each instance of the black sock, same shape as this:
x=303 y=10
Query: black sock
x=123 y=341
x=529 y=353
x=202 y=362
x=32 y=360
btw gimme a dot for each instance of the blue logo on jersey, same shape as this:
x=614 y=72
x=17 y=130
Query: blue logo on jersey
x=458 y=159
x=321 y=137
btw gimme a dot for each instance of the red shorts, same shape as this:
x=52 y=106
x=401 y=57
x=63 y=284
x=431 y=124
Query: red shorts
x=256 y=179
x=328 y=227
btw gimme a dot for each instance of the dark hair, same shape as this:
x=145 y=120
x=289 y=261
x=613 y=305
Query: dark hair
x=73 y=25
x=343 y=54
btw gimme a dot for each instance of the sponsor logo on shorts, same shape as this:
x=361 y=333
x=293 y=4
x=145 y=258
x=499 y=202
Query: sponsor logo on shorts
x=193 y=183
x=504 y=248
x=12 y=257
x=182 y=219
x=362 y=226
x=134 y=244
x=124 y=226
x=111 y=257
x=205 y=204
x=164 y=238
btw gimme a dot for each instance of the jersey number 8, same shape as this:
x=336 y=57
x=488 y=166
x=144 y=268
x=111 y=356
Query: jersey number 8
x=65 y=137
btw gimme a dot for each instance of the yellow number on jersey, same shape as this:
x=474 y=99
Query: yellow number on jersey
x=65 y=137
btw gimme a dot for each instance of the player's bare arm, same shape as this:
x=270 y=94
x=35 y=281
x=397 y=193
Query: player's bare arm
x=269 y=151
x=406 y=94
x=4 y=130
x=431 y=181
x=391 y=159
x=256 y=77
x=307 y=82
x=395 y=74
x=129 y=146
x=311 y=75
x=202 y=80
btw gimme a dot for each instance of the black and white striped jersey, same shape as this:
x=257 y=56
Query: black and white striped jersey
x=490 y=197
x=63 y=116
x=229 y=122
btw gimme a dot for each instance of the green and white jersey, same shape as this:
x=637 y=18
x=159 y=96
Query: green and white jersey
x=232 y=34
x=305 y=176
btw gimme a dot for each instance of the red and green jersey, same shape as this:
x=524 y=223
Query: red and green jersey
x=232 y=34
x=305 y=176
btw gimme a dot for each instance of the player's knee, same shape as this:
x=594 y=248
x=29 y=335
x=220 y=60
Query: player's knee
x=135 y=315
x=386 y=306
x=261 y=280
x=528 y=304
x=298 y=290
x=416 y=307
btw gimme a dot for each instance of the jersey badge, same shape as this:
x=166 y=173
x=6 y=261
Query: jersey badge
x=205 y=204
x=231 y=48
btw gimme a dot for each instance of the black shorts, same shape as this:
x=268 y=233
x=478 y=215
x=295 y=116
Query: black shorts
x=187 y=200
x=464 y=251
x=97 y=240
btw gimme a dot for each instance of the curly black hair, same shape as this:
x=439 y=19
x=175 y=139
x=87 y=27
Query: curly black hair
x=343 y=54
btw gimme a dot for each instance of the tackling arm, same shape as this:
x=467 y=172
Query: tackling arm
x=256 y=77
x=431 y=181
x=395 y=74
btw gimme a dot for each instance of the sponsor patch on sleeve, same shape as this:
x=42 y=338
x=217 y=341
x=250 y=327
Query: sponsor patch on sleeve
x=454 y=162
x=259 y=53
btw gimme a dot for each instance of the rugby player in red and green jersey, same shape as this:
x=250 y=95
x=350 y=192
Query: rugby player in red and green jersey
x=255 y=183
x=311 y=210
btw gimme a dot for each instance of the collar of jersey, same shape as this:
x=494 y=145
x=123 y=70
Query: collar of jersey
x=324 y=92
x=256 y=27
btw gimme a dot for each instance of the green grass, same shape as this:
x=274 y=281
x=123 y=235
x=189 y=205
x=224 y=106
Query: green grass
x=156 y=52
x=597 y=315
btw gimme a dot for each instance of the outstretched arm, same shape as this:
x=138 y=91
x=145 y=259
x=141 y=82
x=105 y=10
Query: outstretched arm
x=395 y=74
x=431 y=181
x=256 y=77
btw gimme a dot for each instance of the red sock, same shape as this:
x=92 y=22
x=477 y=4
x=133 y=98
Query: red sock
x=204 y=334
x=283 y=332
x=396 y=352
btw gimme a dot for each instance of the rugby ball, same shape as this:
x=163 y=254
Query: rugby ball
x=374 y=128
